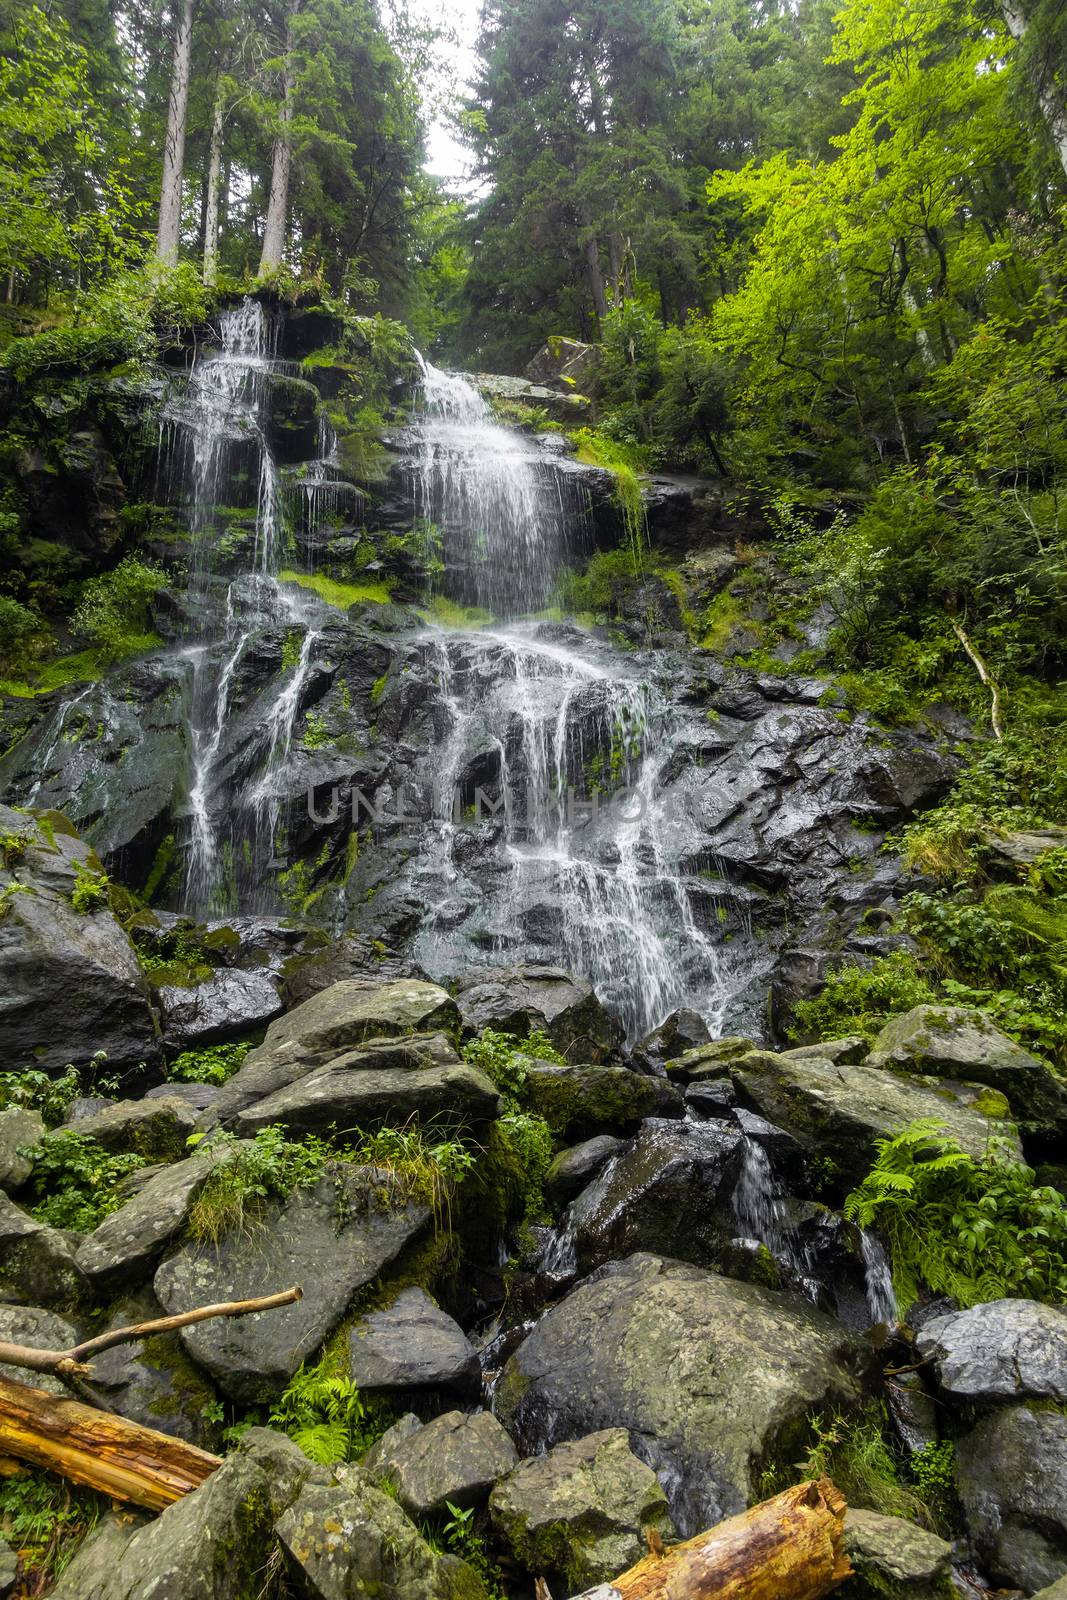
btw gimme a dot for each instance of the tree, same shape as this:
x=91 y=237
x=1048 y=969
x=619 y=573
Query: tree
x=168 y=233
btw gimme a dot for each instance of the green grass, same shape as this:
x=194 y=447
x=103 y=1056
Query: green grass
x=84 y=667
x=338 y=594
x=449 y=615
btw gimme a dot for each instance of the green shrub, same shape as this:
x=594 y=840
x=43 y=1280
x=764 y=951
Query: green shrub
x=36 y=1091
x=421 y=1167
x=859 y=1000
x=113 y=609
x=853 y=1452
x=90 y=891
x=75 y=1181
x=499 y=1056
x=213 y=1064
x=20 y=630
x=267 y=1167
x=530 y=1138
x=977 y=1230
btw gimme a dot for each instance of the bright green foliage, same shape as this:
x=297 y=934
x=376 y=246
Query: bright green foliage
x=45 y=1518
x=977 y=1230
x=75 y=1182
x=934 y=1470
x=322 y=1412
x=338 y=594
x=860 y=1000
x=853 y=1452
x=530 y=1138
x=113 y=610
x=499 y=1056
x=213 y=1064
x=267 y=1167
x=36 y=1091
x=420 y=1167
x=90 y=891
x=460 y=1537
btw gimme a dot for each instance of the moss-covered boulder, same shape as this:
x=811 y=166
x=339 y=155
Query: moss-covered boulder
x=157 y=1129
x=19 y=1129
x=453 y=1459
x=893 y=1559
x=583 y=1511
x=520 y=1000
x=580 y=1101
x=37 y=1265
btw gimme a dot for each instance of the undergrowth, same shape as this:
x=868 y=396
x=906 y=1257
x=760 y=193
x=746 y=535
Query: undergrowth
x=267 y=1167
x=75 y=1182
x=213 y=1064
x=44 y=1518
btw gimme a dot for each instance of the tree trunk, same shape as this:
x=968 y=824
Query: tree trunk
x=214 y=193
x=168 y=234
x=276 y=224
x=788 y=1548
x=592 y=266
x=105 y=1452
x=1052 y=105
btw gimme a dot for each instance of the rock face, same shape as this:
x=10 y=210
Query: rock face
x=1012 y=1478
x=70 y=984
x=710 y=1377
x=669 y=1190
x=455 y=1458
x=331 y=1239
x=521 y=999
x=582 y=1511
x=959 y=1042
x=229 y=1004
x=41 y=1330
x=894 y=1557
x=152 y=1381
x=572 y=1169
x=1002 y=1350
x=412 y=1345
x=683 y=1030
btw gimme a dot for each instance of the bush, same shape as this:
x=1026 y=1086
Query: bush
x=36 y=1091
x=853 y=1452
x=422 y=1168
x=499 y=1056
x=113 y=610
x=860 y=1000
x=215 y=1064
x=76 y=1182
x=20 y=630
x=976 y=1230
x=267 y=1167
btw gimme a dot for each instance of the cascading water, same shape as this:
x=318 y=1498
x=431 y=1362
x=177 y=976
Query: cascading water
x=555 y=732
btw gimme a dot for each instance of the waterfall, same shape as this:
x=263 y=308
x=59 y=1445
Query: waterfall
x=881 y=1296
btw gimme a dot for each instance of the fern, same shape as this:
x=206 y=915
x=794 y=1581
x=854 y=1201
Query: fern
x=323 y=1413
x=976 y=1230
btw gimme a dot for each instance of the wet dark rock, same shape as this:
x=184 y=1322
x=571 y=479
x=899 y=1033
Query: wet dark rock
x=893 y=1556
x=578 y=1101
x=520 y=1000
x=197 y=1096
x=157 y=1129
x=1012 y=1479
x=19 y=1129
x=756 y=1365
x=959 y=1042
x=711 y=1098
x=455 y=1458
x=583 y=1511
x=572 y=1169
x=70 y=980
x=37 y=1264
x=351 y=957
x=152 y=1381
x=40 y=1330
x=290 y=414
x=331 y=1239
x=1001 y=1350
x=228 y=1005
x=412 y=1344
x=682 y=1031
x=669 y=1192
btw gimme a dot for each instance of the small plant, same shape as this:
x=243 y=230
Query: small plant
x=460 y=1537
x=267 y=1167
x=323 y=1413
x=114 y=608
x=530 y=1138
x=13 y=847
x=498 y=1055
x=75 y=1181
x=214 y=1064
x=45 y=1519
x=934 y=1470
x=36 y=1091
x=977 y=1230
x=420 y=1169
x=90 y=891
x=853 y=1452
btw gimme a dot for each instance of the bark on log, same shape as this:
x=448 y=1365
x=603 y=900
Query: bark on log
x=787 y=1548
x=104 y=1452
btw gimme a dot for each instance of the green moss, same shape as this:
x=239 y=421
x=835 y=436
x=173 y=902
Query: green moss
x=449 y=615
x=341 y=595
x=161 y=863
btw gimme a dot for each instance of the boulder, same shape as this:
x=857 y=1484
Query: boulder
x=455 y=1458
x=70 y=983
x=412 y=1344
x=331 y=1239
x=346 y=1538
x=312 y=971
x=572 y=1169
x=682 y=1031
x=153 y=1381
x=710 y=1377
x=668 y=1192
x=37 y=1264
x=1015 y=853
x=1011 y=1472
x=842 y=1109
x=959 y=1042
x=1002 y=1350
x=19 y=1128
x=385 y=1083
x=231 y=1003
x=41 y=1330
x=580 y=1101
x=521 y=1000
x=893 y=1557
x=157 y=1129
x=210 y=1545
x=583 y=1511
x=708 y=1060
x=128 y=1242
x=334 y=1020
x=290 y=411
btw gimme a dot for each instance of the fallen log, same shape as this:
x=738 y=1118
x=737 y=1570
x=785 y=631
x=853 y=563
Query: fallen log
x=72 y=1363
x=787 y=1548
x=100 y=1450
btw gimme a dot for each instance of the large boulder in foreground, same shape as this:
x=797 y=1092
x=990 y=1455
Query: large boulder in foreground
x=1011 y=1472
x=331 y=1239
x=70 y=983
x=1002 y=1350
x=521 y=1000
x=713 y=1379
x=583 y=1510
x=333 y=1021
x=959 y=1042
